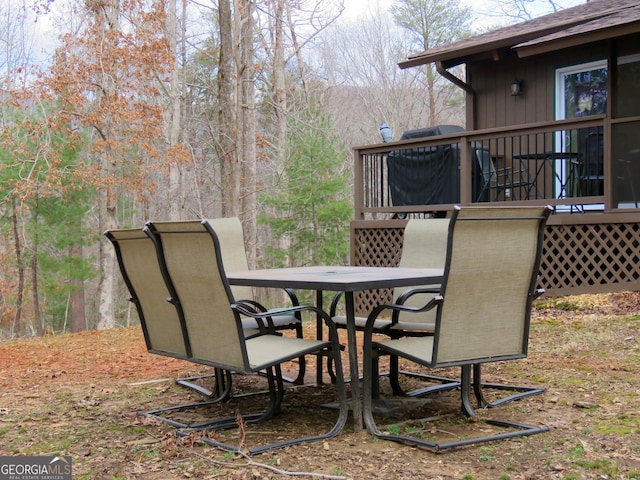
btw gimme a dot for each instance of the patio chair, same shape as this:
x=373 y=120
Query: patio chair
x=626 y=173
x=591 y=169
x=482 y=312
x=191 y=260
x=164 y=332
x=234 y=258
x=424 y=245
x=498 y=179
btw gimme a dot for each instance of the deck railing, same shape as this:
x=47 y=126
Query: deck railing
x=573 y=165
x=562 y=163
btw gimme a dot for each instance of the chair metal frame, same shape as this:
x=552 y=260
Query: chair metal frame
x=213 y=324
x=459 y=324
x=418 y=233
x=234 y=257
x=590 y=169
x=162 y=328
x=499 y=179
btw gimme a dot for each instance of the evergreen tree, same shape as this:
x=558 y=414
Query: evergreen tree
x=312 y=202
x=45 y=209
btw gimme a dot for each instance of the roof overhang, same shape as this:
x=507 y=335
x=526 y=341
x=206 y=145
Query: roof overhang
x=593 y=21
x=580 y=35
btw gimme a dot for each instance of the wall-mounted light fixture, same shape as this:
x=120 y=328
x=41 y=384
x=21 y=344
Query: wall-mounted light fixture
x=516 y=87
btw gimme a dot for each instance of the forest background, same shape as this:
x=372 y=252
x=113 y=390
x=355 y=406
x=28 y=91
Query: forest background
x=131 y=110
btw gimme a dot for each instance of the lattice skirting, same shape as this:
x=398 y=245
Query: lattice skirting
x=581 y=258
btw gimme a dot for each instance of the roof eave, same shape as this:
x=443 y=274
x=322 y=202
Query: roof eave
x=577 y=40
x=458 y=56
x=452 y=55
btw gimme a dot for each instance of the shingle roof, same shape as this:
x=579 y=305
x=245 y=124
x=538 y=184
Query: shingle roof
x=594 y=17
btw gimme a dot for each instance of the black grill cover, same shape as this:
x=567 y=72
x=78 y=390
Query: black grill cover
x=426 y=175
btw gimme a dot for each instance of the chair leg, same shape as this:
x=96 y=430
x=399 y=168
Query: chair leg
x=276 y=382
x=523 y=390
x=302 y=364
x=518 y=429
x=441 y=383
x=276 y=393
x=394 y=373
x=222 y=382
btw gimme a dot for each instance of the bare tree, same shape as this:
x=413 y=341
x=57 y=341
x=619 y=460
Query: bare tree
x=106 y=77
x=522 y=10
x=230 y=167
x=18 y=31
x=17 y=34
x=432 y=23
x=246 y=113
x=175 y=34
x=360 y=63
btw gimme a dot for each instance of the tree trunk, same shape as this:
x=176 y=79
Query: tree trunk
x=431 y=95
x=37 y=319
x=107 y=267
x=174 y=121
x=226 y=145
x=281 y=106
x=108 y=212
x=248 y=128
x=34 y=275
x=78 y=316
x=17 y=319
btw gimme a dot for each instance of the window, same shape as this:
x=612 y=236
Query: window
x=581 y=90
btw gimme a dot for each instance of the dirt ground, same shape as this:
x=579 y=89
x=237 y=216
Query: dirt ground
x=82 y=395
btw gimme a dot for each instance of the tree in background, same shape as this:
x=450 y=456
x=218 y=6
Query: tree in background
x=365 y=85
x=312 y=204
x=522 y=10
x=261 y=102
x=432 y=23
x=45 y=203
x=286 y=31
x=108 y=80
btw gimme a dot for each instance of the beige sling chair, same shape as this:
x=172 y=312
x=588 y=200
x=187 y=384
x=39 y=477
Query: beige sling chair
x=234 y=258
x=482 y=311
x=163 y=330
x=191 y=260
x=424 y=244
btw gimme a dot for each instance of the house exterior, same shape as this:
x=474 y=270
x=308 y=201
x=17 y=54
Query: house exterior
x=552 y=117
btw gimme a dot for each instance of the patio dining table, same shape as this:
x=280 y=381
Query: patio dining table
x=347 y=279
x=563 y=172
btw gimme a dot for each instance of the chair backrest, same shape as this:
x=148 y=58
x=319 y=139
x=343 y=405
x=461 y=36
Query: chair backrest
x=232 y=249
x=424 y=245
x=593 y=153
x=489 y=175
x=487 y=168
x=489 y=283
x=192 y=262
x=163 y=332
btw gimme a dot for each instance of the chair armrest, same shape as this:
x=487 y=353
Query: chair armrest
x=256 y=308
x=410 y=293
x=375 y=313
x=404 y=297
x=294 y=301
x=246 y=309
x=292 y=296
